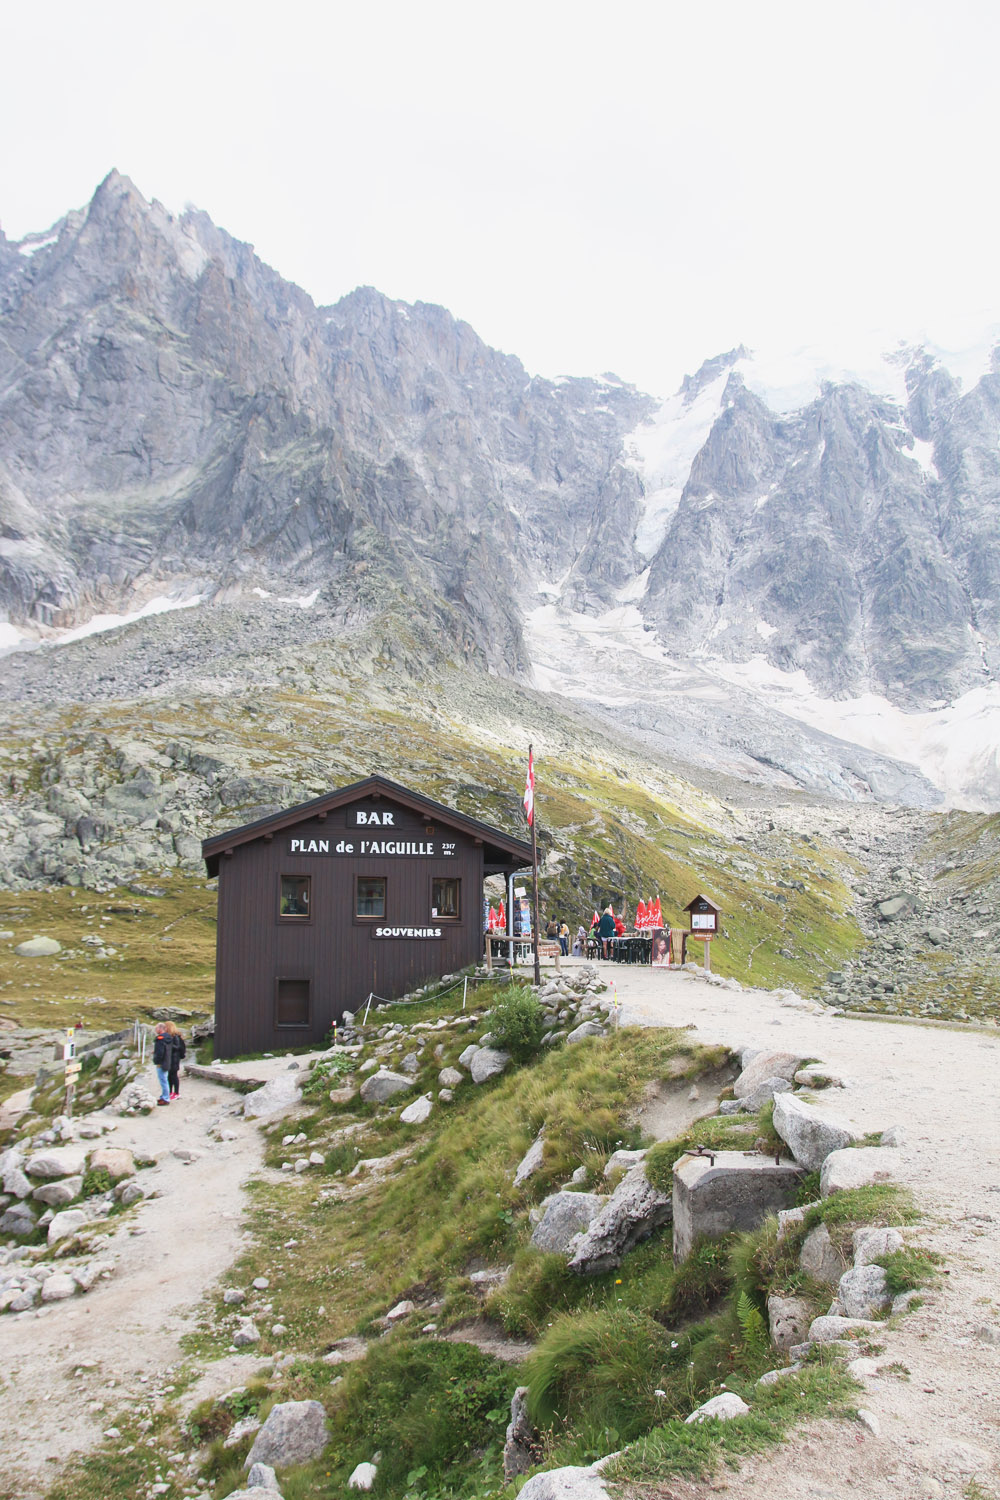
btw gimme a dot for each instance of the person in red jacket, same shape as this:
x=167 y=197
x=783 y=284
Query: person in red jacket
x=619 y=927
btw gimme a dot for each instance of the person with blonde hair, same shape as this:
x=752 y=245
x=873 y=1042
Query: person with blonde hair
x=177 y=1051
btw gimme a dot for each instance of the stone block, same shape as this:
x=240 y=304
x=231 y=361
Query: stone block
x=738 y=1191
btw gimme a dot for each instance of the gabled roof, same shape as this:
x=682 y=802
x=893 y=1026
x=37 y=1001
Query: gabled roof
x=499 y=849
x=701 y=900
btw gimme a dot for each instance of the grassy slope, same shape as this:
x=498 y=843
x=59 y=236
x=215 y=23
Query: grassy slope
x=614 y=825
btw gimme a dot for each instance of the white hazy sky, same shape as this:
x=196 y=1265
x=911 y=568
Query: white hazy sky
x=627 y=187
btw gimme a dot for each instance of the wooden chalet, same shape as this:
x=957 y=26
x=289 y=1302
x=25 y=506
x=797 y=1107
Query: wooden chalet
x=372 y=888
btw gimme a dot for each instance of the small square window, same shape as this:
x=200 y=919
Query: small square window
x=291 y=1006
x=370 y=896
x=294 y=901
x=445 y=894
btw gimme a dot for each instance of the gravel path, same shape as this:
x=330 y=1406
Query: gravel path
x=127 y=1330
x=940 y=1427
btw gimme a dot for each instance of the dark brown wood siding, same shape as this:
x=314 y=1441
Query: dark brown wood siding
x=335 y=951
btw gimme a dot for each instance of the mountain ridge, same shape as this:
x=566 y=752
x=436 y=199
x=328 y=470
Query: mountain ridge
x=179 y=424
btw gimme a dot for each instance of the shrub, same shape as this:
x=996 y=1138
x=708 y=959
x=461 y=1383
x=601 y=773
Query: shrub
x=96 y=1180
x=328 y=1071
x=599 y=1369
x=517 y=1023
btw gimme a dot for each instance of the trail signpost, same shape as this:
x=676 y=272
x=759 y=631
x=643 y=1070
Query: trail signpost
x=72 y=1069
x=703 y=919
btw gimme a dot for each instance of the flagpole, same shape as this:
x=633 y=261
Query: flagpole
x=534 y=877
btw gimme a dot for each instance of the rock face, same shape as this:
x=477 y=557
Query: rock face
x=209 y=431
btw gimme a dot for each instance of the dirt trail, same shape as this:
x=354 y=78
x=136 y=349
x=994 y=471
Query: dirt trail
x=940 y=1427
x=168 y=1251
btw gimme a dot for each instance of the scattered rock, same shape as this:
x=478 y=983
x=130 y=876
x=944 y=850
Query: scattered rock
x=294 y=1432
x=528 y=1166
x=417 y=1112
x=723 y=1408
x=363 y=1477
x=246 y=1333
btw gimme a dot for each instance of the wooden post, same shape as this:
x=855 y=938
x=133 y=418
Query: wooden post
x=708 y=954
x=534 y=878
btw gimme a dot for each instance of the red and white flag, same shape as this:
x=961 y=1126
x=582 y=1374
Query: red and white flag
x=529 y=792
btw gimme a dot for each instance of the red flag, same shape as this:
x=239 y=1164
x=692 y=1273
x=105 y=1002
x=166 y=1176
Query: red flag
x=502 y=918
x=529 y=791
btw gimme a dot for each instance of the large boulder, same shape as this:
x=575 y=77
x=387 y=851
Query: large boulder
x=585 y=1029
x=843 y=1170
x=18 y=1219
x=487 y=1062
x=873 y=1243
x=763 y=1093
x=563 y=1215
x=58 y=1161
x=16 y=1183
x=809 y=1135
x=58 y=1193
x=294 y=1432
x=450 y=1078
x=829 y=1328
x=763 y=1066
x=633 y=1211
x=59 y=1286
x=383 y=1085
